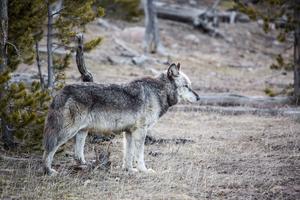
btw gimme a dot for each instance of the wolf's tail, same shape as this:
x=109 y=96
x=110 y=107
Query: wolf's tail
x=53 y=127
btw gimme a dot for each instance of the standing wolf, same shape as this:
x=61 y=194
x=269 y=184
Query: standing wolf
x=130 y=108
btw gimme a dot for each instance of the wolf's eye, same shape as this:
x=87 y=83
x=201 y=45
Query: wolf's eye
x=186 y=86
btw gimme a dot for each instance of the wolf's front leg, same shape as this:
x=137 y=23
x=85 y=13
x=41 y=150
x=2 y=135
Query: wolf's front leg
x=79 y=146
x=128 y=153
x=138 y=138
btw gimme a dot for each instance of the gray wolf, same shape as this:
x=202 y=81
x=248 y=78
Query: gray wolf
x=131 y=109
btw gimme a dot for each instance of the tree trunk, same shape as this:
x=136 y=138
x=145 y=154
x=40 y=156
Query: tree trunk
x=39 y=64
x=7 y=134
x=3 y=35
x=49 y=46
x=297 y=53
x=152 y=40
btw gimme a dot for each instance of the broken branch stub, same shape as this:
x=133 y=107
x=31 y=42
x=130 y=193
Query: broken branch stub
x=86 y=76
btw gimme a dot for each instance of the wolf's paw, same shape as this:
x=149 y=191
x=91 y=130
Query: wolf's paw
x=151 y=171
x=51 y=172
x=133 y=170
x=147 y=171
x=130 y=170
x=80 y=161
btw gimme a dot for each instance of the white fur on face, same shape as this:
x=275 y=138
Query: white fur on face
x=185 y=92
x=185 y=78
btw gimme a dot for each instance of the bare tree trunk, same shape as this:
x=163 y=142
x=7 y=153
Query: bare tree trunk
x=86 y=76
x=39 y=64
x=3 y=35
x=152 y=40
x=49 y=46
x=7 y=134
x=297 y=53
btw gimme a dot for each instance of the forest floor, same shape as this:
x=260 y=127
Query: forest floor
x=229 y=156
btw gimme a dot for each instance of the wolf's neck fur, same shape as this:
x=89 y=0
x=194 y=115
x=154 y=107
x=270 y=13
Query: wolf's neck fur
x=169 y=89
x=161 y=89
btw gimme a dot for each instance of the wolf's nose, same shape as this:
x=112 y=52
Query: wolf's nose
x=198 y=98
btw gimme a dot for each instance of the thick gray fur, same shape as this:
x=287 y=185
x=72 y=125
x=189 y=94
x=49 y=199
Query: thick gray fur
x=130 y=108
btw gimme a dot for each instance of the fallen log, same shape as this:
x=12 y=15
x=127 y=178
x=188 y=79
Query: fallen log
x=293 y=113
x=233 y=104
x=190 y=15
x=177 y=13
x=198 y=18
x=239 y=100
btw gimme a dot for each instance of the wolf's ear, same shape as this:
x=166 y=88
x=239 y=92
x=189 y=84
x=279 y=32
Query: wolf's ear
x=173 y=70
x=178 y=66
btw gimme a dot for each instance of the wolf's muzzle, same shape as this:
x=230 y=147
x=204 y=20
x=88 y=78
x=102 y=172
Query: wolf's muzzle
x=197 y=96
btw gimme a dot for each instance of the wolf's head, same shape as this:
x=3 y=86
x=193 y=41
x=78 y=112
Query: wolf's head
x=182 y=84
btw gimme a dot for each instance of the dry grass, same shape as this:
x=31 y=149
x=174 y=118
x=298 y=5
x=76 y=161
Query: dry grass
x=234 y=157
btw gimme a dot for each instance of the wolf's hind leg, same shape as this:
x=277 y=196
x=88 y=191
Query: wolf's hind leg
x=47 y=159
x=79 y=146
x=52 y=141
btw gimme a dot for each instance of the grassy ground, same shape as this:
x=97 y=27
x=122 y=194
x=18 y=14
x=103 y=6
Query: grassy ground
x=232 y=157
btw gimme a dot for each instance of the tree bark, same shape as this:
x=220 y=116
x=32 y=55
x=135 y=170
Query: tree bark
x=86 y=76
x=49 y=46
x=7 y=134
x=297 y=52
x=152 y=40
x=39 y=64
x=3 y=35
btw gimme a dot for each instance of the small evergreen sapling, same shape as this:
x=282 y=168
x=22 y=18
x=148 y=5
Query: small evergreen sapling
x=24 y=108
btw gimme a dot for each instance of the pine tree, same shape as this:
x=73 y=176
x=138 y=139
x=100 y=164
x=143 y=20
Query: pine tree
x=26 y=21
x=23 y=109
x=23 y=106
